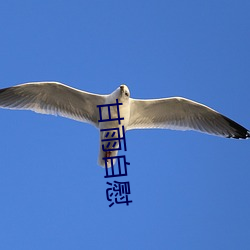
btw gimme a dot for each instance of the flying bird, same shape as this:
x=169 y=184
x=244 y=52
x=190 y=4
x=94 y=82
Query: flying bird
x=175 y=113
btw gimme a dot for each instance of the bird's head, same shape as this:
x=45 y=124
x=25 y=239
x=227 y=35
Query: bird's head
x=124 y=92
x=121 y=93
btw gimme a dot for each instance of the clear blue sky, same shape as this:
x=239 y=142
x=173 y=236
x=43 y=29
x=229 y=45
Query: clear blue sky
x=189 y=190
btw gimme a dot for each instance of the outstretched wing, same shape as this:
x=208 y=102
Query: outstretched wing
x=182 y=114
x=53 y=98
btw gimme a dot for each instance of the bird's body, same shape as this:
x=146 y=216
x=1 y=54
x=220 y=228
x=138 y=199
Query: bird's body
x=167 y=113
x=124 y=112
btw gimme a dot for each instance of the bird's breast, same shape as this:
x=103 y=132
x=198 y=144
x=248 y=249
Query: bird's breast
x=111 y=118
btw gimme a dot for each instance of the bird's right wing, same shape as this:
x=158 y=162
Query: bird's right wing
x=182 y=114
x=53 y=98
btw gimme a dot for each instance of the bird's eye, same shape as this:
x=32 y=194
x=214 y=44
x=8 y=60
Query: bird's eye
x=126 y=93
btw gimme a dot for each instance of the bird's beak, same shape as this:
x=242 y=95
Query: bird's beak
x=122 y=88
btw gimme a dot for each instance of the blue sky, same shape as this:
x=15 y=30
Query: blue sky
x=189 y=190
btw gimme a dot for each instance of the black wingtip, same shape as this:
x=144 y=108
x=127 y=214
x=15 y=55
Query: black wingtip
x=239 y=131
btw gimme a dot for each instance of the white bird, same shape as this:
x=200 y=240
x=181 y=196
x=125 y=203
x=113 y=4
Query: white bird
x=167 y=113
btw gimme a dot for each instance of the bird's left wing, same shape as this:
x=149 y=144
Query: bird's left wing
x=53 y=98
x=182 y=114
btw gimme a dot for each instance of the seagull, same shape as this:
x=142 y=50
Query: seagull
x=176 y=113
